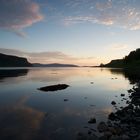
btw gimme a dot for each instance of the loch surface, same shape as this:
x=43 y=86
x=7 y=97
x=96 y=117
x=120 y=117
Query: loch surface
x=27 y=113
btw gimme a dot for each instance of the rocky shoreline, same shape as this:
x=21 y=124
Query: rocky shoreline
x=124 y=124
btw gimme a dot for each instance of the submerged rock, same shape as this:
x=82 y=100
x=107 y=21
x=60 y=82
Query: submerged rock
x=92 y=120
x=122 y=95
x=65 y=100
x=54 y=87
x=113 y=103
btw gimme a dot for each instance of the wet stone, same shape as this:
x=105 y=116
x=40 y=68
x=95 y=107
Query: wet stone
x=54 y=87
x=113 y=103
x=92 y=120
x=122 y=95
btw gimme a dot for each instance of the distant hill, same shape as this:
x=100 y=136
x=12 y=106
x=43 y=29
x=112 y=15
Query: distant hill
x=13 y=61
x=130 y=61
x=54 y=65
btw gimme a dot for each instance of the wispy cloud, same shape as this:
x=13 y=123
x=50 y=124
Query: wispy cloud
x=16 y=15
x=119 y=46
x=81 y=19
x=123 y=14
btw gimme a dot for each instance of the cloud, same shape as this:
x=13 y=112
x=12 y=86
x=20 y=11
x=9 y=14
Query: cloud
x=119 y=46
x=80 y=19
x=119 y=13
x=50 y=57
x=18 y=14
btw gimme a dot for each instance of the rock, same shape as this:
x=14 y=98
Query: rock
x=130 y=91
x=109 y=124
x=133 y=134
x=125 y=137
x=138 y=138
x=92 y=105
x=115 y=137
x=102 y=127
x=127 y=102
x=113 y=103
x=89 y=132
x=65 y=100
x=122 y=95
x=91 y=82
x=92 y=120
x=112 y=116
x=135 y=94
x=112 y=130
x=137 y=119
x=107 y=134
x=103 y=138
x=54 y=87
x=93 y=137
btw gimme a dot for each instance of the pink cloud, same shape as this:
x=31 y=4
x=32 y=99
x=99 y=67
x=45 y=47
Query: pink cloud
x=18 y=14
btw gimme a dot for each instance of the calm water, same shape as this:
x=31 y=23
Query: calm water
x=29 y=114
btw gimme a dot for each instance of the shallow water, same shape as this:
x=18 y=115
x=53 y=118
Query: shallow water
x=27 y=113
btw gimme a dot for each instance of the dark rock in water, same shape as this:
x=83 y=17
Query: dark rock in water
x=130 y=91
x=122 y=95
x=113 y=103
x=65 y=100
x=54 y=87
x=89 y=132
x=112 y=116
x=91 y=82
x=133 y=134
x=135 y=94
x=92 y=120
x=92 y=105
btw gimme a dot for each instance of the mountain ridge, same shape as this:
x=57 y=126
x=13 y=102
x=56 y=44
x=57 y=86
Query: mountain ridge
x=16 y=61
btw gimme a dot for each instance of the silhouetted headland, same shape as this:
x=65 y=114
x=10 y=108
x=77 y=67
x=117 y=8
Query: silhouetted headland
x=13 y=61
x=54 y=65
x=130 y=61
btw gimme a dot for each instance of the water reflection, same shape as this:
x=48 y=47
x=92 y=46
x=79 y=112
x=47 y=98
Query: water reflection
x=133 y=76
x=26 y=113
x=19 y=122
x=12 y=73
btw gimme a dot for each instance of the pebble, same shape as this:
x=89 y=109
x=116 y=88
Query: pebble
x=92 y=120
x=113 y=103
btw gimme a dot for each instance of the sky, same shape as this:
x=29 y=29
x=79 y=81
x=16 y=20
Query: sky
x=83 y=32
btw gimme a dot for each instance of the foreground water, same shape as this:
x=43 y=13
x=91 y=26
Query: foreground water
x=27 y=113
